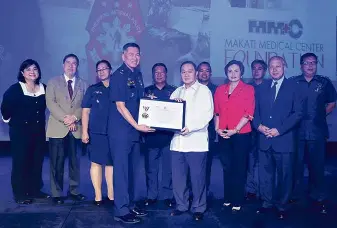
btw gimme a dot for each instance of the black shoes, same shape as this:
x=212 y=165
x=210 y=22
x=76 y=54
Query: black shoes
x=281 y=215
x=128 y=219
x=40 y=195
x=98 y=203
x=197 y=216
x=78 y=197
x=105 y=201
x=263 y=210
x=169 y=202
x=58 y=200
x=176 y=213
x=150 y=202
x=132 y=217
x=28 y=197
x=109 y=201
x=23 y=201
x=320 y=207
x=138 y=212
x=294 y=200
x=251 y=196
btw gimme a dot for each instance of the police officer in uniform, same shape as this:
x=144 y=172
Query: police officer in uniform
x=319 y=101
x=95 y=113
x=126 y=89
x=158 y=144
x=259 y=68
x=204 y=77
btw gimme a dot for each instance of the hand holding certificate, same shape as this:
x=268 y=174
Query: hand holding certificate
x=158 y=114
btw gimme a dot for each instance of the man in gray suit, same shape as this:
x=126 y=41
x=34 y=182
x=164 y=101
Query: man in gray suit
x=64 y=97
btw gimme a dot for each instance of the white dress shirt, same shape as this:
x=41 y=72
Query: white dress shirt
x=278 y=85
x=199 y=111
x=73 y=79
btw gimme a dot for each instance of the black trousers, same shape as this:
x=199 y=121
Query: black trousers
x=276 y=178
x=192 y=164
x=234 y=158
x=314 y=151
x=252 y=185
x=28 y=146
x=57 y=150
x=213 y=151
x=127 y=171
x=153 y=160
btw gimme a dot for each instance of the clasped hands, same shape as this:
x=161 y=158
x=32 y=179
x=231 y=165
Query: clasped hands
x=226 y=134
x=268 y=132
x=70 y=122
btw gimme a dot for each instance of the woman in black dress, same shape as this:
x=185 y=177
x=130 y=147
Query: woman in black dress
x=95 y=113
x=23 y=108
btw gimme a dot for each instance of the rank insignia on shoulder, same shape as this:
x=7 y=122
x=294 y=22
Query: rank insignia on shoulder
x=325 y=77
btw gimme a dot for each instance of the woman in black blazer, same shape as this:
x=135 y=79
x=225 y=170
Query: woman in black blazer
x=23 y=108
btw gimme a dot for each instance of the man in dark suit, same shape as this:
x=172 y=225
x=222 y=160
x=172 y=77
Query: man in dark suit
x=277 y=113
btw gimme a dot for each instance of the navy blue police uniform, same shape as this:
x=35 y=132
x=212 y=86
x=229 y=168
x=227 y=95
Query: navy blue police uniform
x=252 y=185
x=212 y=144
x=125 y=86
x=97 y=99
x=158 y=146
x=313 y=132
x=211 y=128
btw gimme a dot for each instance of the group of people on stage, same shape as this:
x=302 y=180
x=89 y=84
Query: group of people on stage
x=259 y=130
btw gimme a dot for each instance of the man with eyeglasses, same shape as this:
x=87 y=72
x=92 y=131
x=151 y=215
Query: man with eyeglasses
x=319 y=97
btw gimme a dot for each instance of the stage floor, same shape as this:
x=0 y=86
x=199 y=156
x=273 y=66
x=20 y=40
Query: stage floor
x=44 y=214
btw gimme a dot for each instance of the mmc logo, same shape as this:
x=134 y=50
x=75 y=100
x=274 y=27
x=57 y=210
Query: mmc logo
x=294 y=28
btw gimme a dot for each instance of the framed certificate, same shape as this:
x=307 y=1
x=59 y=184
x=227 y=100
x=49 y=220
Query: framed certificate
x=164 y=115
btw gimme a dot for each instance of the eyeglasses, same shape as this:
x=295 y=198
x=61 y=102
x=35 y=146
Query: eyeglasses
x=204 y=71
x=309 y=63
x=99 y=70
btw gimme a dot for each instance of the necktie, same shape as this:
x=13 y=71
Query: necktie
x=273 y=91
x=70 y=89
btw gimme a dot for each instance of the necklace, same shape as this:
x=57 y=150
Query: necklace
x=31 y=89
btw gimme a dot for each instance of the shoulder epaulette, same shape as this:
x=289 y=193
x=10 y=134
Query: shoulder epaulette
x=324 y=77
x=294 y=77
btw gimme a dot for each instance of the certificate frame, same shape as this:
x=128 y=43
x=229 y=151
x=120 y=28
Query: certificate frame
x=144 y=113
